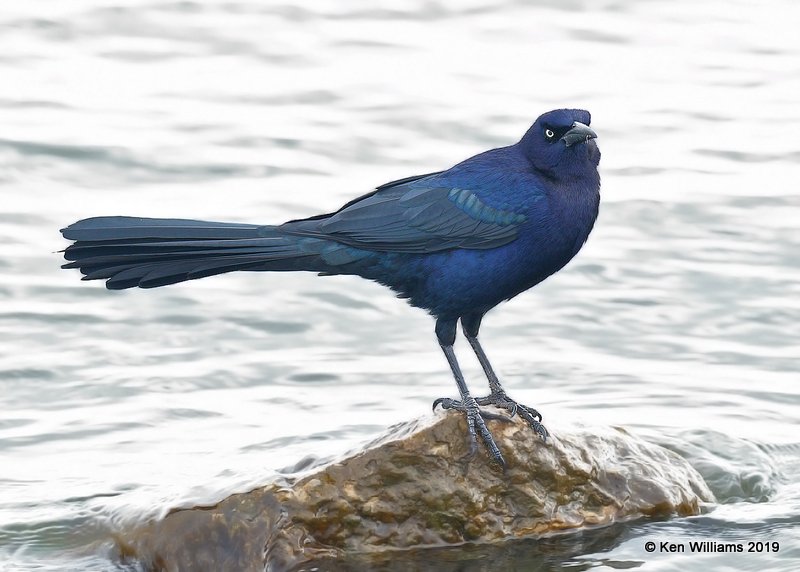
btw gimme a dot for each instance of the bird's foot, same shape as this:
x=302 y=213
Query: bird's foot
x=529 y=414
x=476 y=425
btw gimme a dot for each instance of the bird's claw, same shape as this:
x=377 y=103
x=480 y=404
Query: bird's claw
x=476 y=425
x=446 y=403
x=529 y=414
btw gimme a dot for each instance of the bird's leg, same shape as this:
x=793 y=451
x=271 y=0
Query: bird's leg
x=446 y=332
x=471 y=324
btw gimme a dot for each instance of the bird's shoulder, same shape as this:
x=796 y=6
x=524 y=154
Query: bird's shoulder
x=502 y=178
x=498 y=185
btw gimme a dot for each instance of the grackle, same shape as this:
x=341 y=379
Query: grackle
x=455 y=243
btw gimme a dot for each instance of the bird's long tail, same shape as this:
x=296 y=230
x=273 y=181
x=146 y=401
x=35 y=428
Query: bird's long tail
x=146 y=252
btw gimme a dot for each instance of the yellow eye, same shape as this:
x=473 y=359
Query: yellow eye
x=549 y=133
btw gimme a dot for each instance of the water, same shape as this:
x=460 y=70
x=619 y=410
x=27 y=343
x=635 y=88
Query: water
x=680 y=320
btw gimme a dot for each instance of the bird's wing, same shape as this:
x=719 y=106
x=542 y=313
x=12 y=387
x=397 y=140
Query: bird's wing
x=415 y=218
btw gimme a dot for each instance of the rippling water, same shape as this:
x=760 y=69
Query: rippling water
x=680 y=320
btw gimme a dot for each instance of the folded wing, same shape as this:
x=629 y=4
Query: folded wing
x=414 y=219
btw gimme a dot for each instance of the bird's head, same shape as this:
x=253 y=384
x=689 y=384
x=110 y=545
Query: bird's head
x=560 y=143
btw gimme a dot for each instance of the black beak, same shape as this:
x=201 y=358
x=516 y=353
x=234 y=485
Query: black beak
x=579 y=133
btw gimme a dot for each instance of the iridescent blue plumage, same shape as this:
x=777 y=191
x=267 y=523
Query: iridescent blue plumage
x=456 y=243
x=469 y=202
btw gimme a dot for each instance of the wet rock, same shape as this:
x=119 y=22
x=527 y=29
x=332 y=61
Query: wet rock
x=415 y=488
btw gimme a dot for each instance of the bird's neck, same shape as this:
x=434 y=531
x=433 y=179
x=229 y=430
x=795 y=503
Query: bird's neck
x=575 y=200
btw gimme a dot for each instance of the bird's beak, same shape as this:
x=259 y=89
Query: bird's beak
x=579 y=133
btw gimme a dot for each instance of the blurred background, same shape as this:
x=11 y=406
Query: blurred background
x=679 y=320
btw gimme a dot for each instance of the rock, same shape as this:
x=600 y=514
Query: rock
x=415 y=488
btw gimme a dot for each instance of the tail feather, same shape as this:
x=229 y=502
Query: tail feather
x=128 y=256
x=127 y=227
x=130 y=252
x=163 y=274
x=83 y=249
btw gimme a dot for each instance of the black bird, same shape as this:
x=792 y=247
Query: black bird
x=455 y=243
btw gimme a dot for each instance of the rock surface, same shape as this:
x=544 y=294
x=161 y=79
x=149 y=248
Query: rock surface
x=415 y=488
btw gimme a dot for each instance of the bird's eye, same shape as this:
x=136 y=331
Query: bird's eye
x=549 y=133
